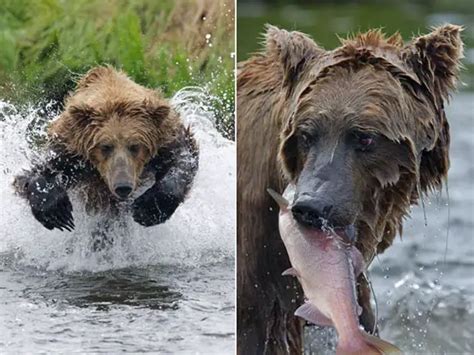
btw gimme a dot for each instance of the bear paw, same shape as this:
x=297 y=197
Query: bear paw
x=50 y=204
x=154 y=207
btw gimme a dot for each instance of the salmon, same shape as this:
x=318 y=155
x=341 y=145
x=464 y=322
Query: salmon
x=326 y=265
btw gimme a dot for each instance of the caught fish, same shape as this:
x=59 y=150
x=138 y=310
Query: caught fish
x=326 y=266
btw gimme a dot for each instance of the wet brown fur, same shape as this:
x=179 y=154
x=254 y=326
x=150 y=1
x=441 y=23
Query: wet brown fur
x=107 y=106
x=373 y=82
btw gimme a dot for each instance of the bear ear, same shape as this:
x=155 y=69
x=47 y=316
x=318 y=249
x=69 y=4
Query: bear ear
x=435 y=58
x=294 y=50
x=156 y=110
x=93 y=75
x=82 y=114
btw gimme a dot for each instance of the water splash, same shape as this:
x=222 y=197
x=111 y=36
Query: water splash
x=200 y=232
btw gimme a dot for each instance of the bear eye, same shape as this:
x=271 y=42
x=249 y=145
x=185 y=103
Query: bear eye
x=306 y=139
x=134 y=148
x=364 y=142
x=106 y=149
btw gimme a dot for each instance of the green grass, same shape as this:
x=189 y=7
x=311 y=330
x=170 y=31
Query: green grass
x=47 y=44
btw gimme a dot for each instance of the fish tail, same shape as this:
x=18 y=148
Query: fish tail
x=374 y=346
x=282 y=202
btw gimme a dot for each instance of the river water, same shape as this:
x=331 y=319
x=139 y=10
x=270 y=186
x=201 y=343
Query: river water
x=425 y=292
x=166 y=289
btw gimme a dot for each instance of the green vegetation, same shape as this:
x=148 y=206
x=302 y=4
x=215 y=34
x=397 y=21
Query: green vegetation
x=47 y=44
x=328 y=20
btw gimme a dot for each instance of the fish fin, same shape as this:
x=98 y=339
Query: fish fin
x=357 y=261
x=290 y=272
x=282 y=202
x=310 y=313
x=383 y=346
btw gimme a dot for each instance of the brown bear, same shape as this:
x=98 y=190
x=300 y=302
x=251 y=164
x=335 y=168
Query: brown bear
x=112 y=136
x=360 y=130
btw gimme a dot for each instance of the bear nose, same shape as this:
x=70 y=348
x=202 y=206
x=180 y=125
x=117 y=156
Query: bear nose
x=311 y=212
x=123 y=191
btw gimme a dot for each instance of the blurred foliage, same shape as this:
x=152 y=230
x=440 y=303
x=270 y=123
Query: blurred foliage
x=325 y=21
x=47 y=44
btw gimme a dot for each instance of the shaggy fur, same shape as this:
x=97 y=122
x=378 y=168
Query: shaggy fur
x=113 y=132
x=107 y=102
x=370 y=82
x=106 y=98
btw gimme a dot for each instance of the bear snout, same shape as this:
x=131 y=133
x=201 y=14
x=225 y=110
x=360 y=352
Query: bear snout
x=123 y=190
x=311 y=212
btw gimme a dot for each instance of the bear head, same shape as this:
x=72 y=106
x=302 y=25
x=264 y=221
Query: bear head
x=115 y=124
x=364 y=128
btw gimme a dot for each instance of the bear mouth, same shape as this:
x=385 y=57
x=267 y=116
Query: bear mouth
x=317 y=223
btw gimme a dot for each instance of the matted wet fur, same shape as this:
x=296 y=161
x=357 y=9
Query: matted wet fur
x=371 y=83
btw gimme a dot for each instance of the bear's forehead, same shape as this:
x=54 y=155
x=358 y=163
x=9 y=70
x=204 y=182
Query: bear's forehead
x=348 y=94
x=371 y=106
x=358 y=74
x=120 y=129
x=346 y=81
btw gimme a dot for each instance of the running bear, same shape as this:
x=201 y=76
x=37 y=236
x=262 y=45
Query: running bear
x=112 y=137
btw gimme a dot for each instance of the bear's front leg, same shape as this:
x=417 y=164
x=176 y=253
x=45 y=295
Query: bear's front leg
x=156 y=205
x=45 y=186
x=174 y=168
x=49 y=202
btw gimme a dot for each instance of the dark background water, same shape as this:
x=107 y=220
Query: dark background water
x=424 y=292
